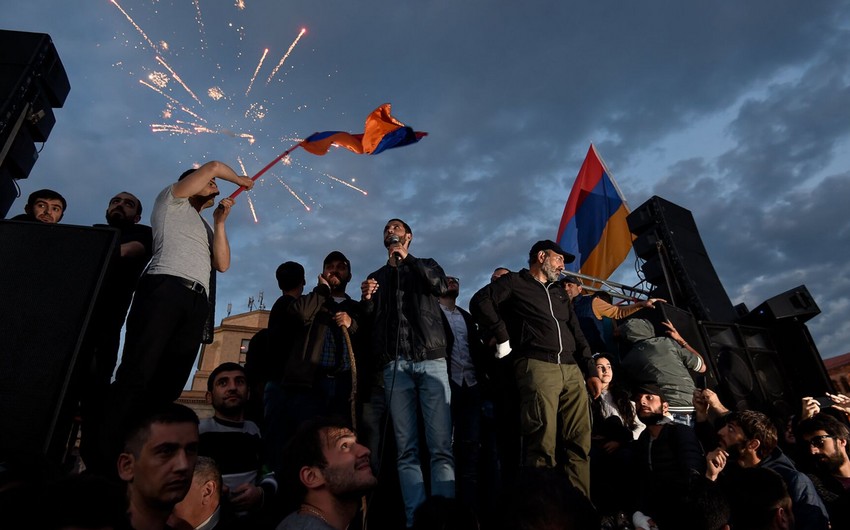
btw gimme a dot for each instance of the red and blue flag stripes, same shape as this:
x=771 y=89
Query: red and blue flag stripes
x=593 y=226
x=380 y=133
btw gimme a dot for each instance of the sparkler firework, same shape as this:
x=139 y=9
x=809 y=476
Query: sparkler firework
x=205 y=91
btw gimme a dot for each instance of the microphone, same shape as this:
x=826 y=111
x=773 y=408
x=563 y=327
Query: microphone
x=394 y=240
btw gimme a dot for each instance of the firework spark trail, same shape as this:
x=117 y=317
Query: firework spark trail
x=286 y=55
x=248 y=194
x=259 y=65
x=251 y=207
x=241 y=165
x=240 y=4
x=133 y=22
x=200 y=21
x=176 y=77
x=169 y=128
x=291 y=191
x=335 y=179
x=171 y=99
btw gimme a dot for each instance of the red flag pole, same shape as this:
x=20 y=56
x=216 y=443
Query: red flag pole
x=240 y=189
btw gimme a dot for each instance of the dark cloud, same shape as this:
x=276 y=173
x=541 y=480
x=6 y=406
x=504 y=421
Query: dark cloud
x=511 y=97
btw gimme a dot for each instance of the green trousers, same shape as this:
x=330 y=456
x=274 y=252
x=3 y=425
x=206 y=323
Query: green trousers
x=555 y=418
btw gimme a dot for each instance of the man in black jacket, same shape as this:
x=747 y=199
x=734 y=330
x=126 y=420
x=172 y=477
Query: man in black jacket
x=529 y=313
x=400 y=301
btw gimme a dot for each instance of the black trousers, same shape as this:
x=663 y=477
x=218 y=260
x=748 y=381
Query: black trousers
x=164 y=330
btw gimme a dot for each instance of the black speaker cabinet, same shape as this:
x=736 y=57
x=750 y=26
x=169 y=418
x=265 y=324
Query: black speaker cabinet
x=765 y=368
x=679 y=267
x=795 y=304
x=49 y=279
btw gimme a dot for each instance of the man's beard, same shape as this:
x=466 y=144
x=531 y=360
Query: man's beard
x=551 y=272
x=345 y=484
x=829 y=463
x=452 y=293
x=652 y=418
x=735 y=450
x=118 y=221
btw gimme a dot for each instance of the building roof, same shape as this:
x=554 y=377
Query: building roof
x=835 y=362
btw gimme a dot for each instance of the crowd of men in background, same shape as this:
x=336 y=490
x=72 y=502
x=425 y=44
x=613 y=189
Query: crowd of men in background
x=543 y=406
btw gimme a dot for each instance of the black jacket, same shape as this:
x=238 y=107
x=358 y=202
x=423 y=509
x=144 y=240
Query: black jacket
x=417 y=284
x=537 y=318
x=311 y=315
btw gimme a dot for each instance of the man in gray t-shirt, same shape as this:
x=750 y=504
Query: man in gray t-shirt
x=171 y=304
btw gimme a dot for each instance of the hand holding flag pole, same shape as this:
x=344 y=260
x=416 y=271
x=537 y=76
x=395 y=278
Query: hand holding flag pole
x=381 y=132
x=260 y=173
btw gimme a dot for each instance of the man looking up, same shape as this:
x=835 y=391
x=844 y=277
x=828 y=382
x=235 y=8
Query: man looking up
x=171 y=305
x=749 y=439
x=529 y=313
x=234 y=442
x=45 y=206
x=328 y=471
x=401 y=300
x=103 y=335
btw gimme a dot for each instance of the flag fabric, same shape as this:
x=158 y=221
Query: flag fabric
x=380 y=133
x=593 y=226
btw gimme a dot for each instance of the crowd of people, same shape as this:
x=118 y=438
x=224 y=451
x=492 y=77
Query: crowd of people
x=542 y=406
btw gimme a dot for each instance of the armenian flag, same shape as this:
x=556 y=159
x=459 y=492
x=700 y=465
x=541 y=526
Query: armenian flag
x=593 y=226
x=380 y=133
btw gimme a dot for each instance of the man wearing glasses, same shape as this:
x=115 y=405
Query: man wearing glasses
x=824 y=439
x=748 y=439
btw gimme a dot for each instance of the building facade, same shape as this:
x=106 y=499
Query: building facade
x=230 y=344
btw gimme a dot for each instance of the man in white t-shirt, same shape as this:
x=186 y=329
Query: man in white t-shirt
x=171 y=304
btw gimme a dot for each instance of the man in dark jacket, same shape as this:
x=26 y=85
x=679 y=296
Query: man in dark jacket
x=529 y=314
x=668 y=461
x=748 y=439
x=824 y=439
x=401 y=302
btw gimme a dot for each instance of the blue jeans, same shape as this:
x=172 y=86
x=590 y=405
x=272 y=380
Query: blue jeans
x=424 y=385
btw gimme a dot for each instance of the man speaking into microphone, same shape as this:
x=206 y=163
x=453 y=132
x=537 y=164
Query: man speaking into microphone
x=401 y=301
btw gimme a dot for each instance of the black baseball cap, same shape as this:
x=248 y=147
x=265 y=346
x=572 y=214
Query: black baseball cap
x=548 y=244
x=336 y=255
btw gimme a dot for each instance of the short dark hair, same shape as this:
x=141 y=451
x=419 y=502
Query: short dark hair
x=138 y=426
x=306 y=448
x=186 y=173
x=754 y=495
x=290 y=275
x=207 y=469
x=826 y=423
x=138 y=201
x=756 y=426
x=406 y=226
x=223 y=367
x=46 y=194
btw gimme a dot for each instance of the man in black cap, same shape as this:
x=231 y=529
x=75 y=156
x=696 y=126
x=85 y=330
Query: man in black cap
x=316 y=375
x=529 y=314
